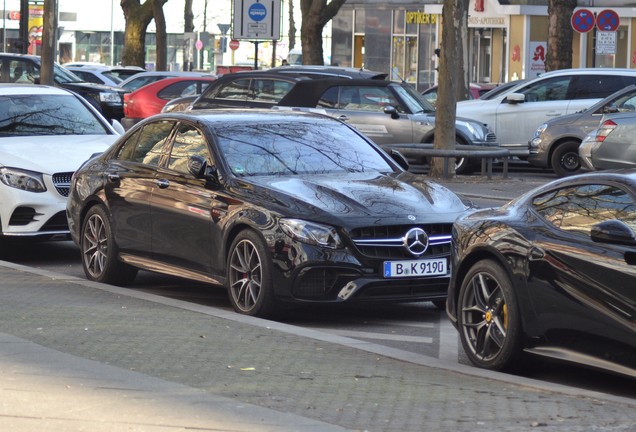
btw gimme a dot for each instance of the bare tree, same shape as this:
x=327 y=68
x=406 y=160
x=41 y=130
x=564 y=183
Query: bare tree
x=138 y=16
x=315 y=15
x=292 y=26
x=188 y=17
x=560 y=34
x=451 y=77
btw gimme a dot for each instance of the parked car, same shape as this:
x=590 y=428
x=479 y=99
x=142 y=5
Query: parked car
x=385 y=111
x=263 y=89
x=179 y=104
x=143 y=78
x=94 y=75
x=516 y=114
x=150 y=99
x=555 y=144
x=45 y=135
x=550 y=274
x=23 y=68
x=500 y=89
x=612 y=145
x=474 y=92
x=280 y=207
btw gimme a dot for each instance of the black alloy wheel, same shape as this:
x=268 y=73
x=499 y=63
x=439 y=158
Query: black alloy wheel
x=488 y=317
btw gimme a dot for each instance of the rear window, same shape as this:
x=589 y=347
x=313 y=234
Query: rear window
x=597 y=86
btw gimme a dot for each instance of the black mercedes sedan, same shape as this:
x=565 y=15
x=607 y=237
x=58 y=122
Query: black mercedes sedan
x=552 y=273
x=279 y=207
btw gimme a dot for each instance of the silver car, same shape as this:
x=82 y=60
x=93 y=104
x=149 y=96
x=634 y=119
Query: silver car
x=387 y=112
x=612 y=145
x=555 y=144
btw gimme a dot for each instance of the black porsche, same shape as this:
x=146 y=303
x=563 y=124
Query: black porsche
x=552 y=273
x=279 y=207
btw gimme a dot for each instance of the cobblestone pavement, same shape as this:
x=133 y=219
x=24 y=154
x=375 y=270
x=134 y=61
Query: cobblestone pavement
x=172 y=365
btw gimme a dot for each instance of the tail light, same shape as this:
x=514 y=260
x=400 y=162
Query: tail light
x=604 y=130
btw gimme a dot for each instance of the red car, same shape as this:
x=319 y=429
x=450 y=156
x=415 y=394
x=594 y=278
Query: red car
x=150 y=99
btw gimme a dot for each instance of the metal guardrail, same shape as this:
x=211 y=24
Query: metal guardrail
x=487 y=155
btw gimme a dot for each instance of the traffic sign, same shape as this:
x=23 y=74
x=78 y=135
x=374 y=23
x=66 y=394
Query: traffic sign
x=607 y=20
x=583 y=20
x=234 y=44
x=198 y=45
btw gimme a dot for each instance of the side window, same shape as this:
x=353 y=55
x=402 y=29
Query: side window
x=372 y=99
x=550 y=89
x=235 y=90
x=579 y=208
x=270 y=90
x=146 y=145
x=178 y=89
x=22 y=72
x=595 y=86
x=188 y=141
x=329 y=99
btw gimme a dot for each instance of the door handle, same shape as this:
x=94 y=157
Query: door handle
x=343 y=117
x=113 y=178
x=162 y=183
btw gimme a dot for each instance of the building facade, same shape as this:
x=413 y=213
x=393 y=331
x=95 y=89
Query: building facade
x=507 y=40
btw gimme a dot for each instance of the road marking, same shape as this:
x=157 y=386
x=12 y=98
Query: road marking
x=380 y=336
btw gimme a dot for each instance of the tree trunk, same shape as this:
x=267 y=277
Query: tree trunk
x=463 y=86
x=162 y=37
x=450 y=74
x=138 y=16
x=188 y=17
x=292 y=26
x=560 y=34
x=316 y=13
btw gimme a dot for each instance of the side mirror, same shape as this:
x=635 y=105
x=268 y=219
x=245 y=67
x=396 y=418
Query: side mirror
x=198 y=167
x=400 y=159
x=613 y=231
x=515 y=98
x=392 y=111
x=119 y=128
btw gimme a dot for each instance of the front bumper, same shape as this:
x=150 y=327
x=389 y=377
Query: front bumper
x=34 y=215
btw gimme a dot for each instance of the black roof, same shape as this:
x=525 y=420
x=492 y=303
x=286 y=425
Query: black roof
x=306 y=93
x=307 y=71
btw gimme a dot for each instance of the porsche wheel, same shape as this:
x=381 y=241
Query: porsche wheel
x=488 y=317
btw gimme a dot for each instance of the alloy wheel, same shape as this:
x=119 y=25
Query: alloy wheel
x=245 y=275
x=95 y=246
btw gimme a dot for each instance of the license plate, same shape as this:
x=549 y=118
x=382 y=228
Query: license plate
x=415 y=268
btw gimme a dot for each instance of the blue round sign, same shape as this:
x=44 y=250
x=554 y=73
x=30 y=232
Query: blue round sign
x=583 y=20
x=257 y=12
x=607 y=20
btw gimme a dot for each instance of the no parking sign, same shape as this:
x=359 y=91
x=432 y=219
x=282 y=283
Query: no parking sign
x=583 y=20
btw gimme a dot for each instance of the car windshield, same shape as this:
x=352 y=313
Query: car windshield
x=64 y=75
x=28 y=115
x=413 y=101
x=298 y=148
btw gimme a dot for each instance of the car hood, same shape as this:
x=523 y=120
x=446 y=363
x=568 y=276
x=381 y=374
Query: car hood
x=566 y=119
x=51 y=154
x=366 y=198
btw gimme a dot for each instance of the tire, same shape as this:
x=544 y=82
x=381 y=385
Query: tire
x=488 y=318
x=565 y=159
x=249 y=276
x=99 y=251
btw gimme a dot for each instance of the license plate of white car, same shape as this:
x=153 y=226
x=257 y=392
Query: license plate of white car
x=415 y=268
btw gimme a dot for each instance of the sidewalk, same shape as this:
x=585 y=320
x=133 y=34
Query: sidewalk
x=82 y=356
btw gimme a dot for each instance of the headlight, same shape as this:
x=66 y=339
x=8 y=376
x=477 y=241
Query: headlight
x=24 y=180
x=475 y=130
x=540 y=130
x=311 y=233
x=110 y=97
